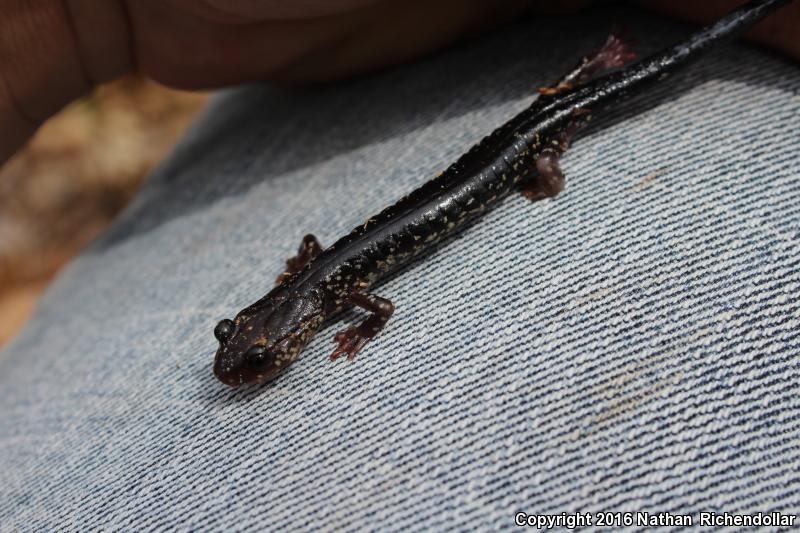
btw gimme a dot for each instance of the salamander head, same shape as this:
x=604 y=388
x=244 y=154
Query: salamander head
x=265 y=338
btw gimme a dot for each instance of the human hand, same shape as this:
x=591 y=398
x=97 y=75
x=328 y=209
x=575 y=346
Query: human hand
x=53 y=51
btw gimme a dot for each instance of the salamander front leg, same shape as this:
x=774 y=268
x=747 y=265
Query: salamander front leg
x=352 y=339
x=309 y=249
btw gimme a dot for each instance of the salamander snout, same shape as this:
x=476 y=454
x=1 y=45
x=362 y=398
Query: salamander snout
x=232 y=379
x=265 y=338
x=250 y=352
x=237 y=365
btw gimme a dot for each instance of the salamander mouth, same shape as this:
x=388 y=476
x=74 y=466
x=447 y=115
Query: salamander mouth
x=234 y=377
x=253 y=377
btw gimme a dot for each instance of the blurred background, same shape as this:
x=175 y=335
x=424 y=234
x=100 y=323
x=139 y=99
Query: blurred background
x=75 y=175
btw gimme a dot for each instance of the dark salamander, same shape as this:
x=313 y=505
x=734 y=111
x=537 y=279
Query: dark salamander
x=266 y=337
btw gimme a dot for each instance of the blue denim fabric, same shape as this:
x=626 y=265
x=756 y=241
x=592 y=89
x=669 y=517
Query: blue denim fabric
x=630 y=345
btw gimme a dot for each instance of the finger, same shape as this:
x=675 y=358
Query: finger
x=243 y=11
x=186 y=50
x=395 y=31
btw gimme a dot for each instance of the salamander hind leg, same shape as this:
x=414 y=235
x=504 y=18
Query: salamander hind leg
x=549 y=179
x=614 y=53
x=352 y=339
x=309 y=249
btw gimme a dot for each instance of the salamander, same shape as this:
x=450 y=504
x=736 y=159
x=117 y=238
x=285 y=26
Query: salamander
x=266 y=337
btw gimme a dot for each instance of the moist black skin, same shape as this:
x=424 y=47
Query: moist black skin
x=266 y=337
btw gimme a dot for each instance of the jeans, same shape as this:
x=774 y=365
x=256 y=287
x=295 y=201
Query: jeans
x=631 y=345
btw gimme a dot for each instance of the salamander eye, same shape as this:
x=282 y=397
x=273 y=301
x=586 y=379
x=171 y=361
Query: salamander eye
x=224 y=330
x=258 y=357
